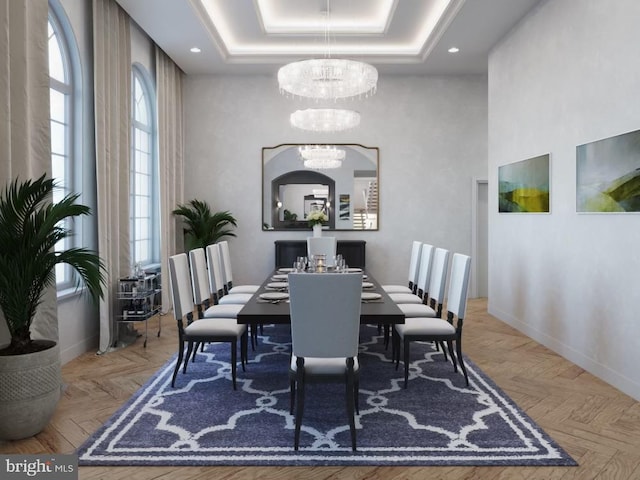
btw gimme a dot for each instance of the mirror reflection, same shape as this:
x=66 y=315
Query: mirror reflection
x=346 y=190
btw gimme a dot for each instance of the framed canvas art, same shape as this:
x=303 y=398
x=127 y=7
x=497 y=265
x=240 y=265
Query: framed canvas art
x=523 y=187
x=608 y=175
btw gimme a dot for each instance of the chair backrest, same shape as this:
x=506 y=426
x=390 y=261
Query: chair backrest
x=439 y=270
x=458 y=288
x=325 y=314
x=424 y=272
x=227 y=275
x=199 y=276
x=414 y=261
x=216 y=284
x=322 y=246
x=181 y=293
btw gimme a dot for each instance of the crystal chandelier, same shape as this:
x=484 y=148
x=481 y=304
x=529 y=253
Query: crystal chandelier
x=328 y=79
x=325 y=119
x=321 y=157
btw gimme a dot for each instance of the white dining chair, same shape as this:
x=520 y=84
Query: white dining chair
x=202 y=289
x=424 y=276
x=216 y=280
x=227 y=272
x=414 y=261
x=438 y=329
x=198 y=331
x=325 y=321
x=322 y=246
x=437 y=285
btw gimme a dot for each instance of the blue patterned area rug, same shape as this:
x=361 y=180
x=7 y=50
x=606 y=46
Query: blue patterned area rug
x=436 y=421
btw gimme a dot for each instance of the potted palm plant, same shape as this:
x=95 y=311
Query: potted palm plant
x=31 y=226
x=201 y=227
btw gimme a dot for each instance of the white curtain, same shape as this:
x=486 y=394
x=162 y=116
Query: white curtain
x=25 y=141
x=171 y=159
x=112 y=84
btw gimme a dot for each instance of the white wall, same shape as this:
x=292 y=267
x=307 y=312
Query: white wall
x=568 y=75
x=431 y=132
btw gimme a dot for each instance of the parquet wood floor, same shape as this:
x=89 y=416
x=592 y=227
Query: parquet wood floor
x=597 y=424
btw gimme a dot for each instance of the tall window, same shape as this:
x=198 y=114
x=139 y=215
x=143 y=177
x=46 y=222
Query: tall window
x=62 y=88
x=144 y=225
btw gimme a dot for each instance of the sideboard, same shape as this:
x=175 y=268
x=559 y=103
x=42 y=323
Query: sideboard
x=353 y=251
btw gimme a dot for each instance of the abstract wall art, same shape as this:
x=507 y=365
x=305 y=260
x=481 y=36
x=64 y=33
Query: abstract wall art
x=523 y=187
x=608 y=175
x=345 y=204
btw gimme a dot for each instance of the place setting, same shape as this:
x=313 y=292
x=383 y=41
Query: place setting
x=273 y=297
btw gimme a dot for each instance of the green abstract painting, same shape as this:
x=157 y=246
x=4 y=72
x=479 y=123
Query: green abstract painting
x=608 y=175
x=524 y=186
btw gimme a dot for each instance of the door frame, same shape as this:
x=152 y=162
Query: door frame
x=476 y=181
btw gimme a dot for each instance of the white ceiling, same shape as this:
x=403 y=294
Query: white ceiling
x=259 y=36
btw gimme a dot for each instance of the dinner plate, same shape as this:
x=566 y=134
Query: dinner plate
x=367 y=285
x=285 y=270
x=277 y=285
x=370 y=296
x=354 y=270
x=274 y=295
x=279 y=278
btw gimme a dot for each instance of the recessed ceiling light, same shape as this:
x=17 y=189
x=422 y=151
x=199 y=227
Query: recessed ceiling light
x=453 y=50
x=195 y=50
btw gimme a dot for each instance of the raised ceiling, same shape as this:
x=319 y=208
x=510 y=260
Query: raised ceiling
x=397 y=36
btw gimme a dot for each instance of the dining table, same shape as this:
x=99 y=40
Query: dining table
x=276 y=309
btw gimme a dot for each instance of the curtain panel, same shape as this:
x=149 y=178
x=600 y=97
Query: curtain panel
x=25 y=137
x=169 y=79
x=112 y=98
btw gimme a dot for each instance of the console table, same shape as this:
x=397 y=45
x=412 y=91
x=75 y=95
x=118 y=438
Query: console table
x=353 y=251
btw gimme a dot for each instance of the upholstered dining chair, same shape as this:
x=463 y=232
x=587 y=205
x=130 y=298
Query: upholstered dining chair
x=204 y=330
x=324 y=337
x=227 y=273
x=414 y=262
x=424 y=276
x=436 y=290
x=322 y=246
x=216 y=280
x=202 y=290
x=438 y=329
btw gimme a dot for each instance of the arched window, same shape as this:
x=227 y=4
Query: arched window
x=144 y=177
x=65 y=96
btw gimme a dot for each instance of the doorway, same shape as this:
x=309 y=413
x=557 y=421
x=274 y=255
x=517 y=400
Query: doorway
x=480 y=239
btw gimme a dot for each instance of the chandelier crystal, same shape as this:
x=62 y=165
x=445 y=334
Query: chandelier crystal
x=321 y=157
x=325 y=119
x=328 y=79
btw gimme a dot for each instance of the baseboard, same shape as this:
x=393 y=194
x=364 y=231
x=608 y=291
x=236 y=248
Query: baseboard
x=606 y=374
x=72 y=351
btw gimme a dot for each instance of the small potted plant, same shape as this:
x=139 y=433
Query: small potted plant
x=31 y=226
x=315 y=220
x=202 y=227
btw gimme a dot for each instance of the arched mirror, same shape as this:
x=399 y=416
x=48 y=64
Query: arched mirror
x=347 y=192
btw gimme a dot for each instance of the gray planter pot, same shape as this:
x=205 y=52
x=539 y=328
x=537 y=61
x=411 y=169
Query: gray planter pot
x=30 y=388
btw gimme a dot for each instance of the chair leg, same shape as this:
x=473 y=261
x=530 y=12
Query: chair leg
x=406 y=361
x=350 y=408
x=453 y=357
x=292 y=395
x=243 y=349
x=178 y=362
x=356 y=392
x=459 y=352
x=386 y=336
x=299 y=410
x=395 y=347
x=234 y=367
x=186 y=360
x=444 y=352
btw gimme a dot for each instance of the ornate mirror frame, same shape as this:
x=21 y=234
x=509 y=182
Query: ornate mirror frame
x=349 y=195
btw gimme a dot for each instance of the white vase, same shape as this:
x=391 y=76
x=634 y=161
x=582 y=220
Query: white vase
x=317 y=230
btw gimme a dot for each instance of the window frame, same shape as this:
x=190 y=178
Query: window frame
x=72 y=91
x=140 y=73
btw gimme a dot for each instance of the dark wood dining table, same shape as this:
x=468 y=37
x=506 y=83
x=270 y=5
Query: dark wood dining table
x=383 y=311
